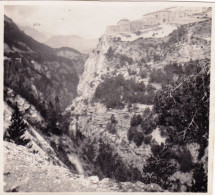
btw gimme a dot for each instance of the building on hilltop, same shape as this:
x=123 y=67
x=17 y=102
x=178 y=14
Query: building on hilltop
x=122 y=26
x=158 y=17
x=177 y=15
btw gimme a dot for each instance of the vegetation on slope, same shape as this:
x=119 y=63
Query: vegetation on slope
x=41 y=76
x=17 y=128
x=115 y=92
x=181 y=112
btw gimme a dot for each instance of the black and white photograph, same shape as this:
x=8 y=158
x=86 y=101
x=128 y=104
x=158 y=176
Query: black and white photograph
x=107 y=97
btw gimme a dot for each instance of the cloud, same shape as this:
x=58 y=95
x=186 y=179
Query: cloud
x=20 y=10
x=86 y=19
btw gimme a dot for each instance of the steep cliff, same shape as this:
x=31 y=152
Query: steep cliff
x=120 y=74
x=106 y=117
x=114 y=56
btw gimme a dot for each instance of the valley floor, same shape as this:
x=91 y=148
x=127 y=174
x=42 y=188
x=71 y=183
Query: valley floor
x=25 y=171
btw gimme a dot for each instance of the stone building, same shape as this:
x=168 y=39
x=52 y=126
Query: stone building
x=158 y=17
x=122 y=26
x=137 y=25
x=178 y=15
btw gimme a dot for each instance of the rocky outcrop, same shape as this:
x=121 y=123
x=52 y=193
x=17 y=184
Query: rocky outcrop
x=114 y=56
x=25 y=171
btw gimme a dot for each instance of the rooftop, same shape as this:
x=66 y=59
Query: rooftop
x=123 y=20
x=157 y=12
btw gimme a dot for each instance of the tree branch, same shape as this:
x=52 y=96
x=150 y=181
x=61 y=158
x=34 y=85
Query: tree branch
x=184 y=132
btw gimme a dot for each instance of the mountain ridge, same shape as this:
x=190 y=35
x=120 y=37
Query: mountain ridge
x=73 y=41
x=120 y=113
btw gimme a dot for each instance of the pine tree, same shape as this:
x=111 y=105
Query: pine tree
x=159 y=166
x=200 y=179
x=17 y=128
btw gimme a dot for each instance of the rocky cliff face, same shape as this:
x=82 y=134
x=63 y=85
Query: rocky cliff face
x=94 y=139
x=114 y=56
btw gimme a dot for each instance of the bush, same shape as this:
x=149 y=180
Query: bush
x=135 y=135
x=125 y=60
x=131 y=72
x=143 y=74
x=174 y=68
x=136 y=120
x=157 y=76
x=147 y=139
x=149 y=123
x=111 y=125
x=185 y=160
x=110 y=54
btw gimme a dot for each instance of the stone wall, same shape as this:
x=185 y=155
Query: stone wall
x=177 y=15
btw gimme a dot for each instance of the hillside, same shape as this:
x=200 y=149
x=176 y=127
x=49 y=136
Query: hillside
x=28 y=64
x=56 y=159
x=118 y=92
x=83 y=45
x=114 y=56
x=59 y=178
x=34 y=33
x=133 y=116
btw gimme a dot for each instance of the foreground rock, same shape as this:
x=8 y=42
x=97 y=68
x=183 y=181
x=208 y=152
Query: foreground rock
x=25 y=171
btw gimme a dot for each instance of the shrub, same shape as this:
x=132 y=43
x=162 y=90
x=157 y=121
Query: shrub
x=149 y=123
x=131 y=72
x=143 y=74
x=157 y=76
x=147 y=139
x=136 y=120
x=110 y=54
x=125 y=59
x=173 y=68
x=135 y=135
x=111 y=125
x=185 y=160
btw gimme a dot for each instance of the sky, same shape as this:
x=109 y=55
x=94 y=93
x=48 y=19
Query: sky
x=85 y=19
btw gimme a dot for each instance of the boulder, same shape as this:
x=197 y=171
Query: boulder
x=94 y=179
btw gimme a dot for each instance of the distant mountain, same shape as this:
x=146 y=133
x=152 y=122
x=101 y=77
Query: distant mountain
x=16 y=39
x=73 y=41
x=37 y=35
x=58 y=70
